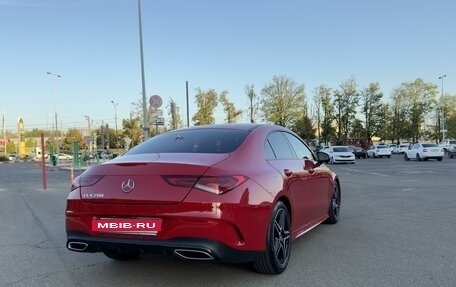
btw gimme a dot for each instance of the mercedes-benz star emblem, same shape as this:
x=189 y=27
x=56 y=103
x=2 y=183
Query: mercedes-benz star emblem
x=128 y=185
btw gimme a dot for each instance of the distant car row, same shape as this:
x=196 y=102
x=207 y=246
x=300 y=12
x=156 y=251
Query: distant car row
x=417 y=151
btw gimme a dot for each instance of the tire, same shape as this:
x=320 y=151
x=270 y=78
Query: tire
x=121 y=254
x=440 y=158
x=418 y=158
x=334 y=206
x=373 y=155
x=388 y=156
x=278 y=243
x=406 y=157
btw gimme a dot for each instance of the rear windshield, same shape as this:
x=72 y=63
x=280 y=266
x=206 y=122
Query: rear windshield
x=193 y=141
x=430 y=145
x=382 y=146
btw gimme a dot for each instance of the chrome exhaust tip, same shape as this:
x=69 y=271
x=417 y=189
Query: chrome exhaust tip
x=77 y=246
x=190 y=254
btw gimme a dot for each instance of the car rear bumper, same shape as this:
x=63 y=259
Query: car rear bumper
x=184 y=248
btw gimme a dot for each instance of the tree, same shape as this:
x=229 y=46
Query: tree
x=372 y=103
x=357 y=131
x=450 y=125
x=385 y=129
x=73 y=135
x=422 y=98
x=206 y=103
x=132 y=130
x=327 y=125
x=232 y=114
x=137 y=112
x=447 y=105
x=399 y=109
x=304 y=127
x=320 y=93
x=35 y=133
x=346 y=101
x=174 y=114
x=253 y=101
x=283 y=101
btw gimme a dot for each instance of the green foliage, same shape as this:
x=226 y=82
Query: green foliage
x=304 y=127
x=206 y=103
x=283 y=101
x=450 y=125
x=323 y=98
x=346 y=101
x=132 y=130
x=10 y=147
x=35 y=133
x=374 y=120
x=232 y=114
x=30 y=143
x=73 y=135
x=421 y=99
x=174 y=115
x=253 y=102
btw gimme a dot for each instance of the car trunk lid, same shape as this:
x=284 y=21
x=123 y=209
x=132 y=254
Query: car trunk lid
x=139 y=179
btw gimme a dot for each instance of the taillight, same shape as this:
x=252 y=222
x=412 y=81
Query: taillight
x=212 y=184
x=425 y=150
x=82 y=181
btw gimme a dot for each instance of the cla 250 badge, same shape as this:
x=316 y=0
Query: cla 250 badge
x=92 y=195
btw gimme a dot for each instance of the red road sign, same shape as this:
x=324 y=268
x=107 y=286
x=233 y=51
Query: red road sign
x=155 y=101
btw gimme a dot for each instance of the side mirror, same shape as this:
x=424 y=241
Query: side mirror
x=322 y=157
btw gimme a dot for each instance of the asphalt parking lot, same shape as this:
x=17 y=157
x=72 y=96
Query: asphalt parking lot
x=397 y=229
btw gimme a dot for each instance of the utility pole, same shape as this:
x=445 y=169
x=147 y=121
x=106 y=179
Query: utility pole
x=443 y=110
x=88 y=132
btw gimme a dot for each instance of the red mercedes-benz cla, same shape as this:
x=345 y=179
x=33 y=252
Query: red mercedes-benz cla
x=229 y=193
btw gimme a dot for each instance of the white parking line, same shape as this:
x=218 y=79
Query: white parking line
x=368 y=172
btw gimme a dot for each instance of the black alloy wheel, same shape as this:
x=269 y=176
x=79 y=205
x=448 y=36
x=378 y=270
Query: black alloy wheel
x=278 y=248
x=334 y=207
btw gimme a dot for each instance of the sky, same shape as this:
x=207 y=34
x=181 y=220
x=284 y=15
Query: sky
x=220 y=45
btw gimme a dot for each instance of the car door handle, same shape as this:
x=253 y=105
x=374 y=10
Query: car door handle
x=288 y=172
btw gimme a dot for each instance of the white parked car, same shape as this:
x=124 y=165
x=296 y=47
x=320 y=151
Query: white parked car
x=447 y=145
x=64 y=156
x=340 y=154
x=424 y=151
x=379 y=150
x=401 y=148
x=13 y=157
x=392 y=147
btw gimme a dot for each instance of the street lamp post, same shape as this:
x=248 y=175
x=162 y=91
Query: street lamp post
x=442 y=119
x=143 y=77
x=55 y=113
x=115 y=118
